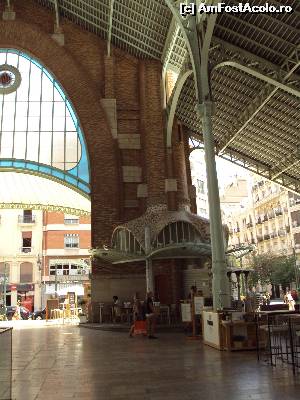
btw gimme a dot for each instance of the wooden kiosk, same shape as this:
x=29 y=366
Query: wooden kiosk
x=229 y=330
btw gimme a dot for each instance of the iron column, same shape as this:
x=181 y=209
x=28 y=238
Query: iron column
x=55 y=281
x=4 y=288
x=220 y=290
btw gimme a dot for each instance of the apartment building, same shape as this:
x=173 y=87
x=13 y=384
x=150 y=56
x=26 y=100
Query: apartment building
x=234 y=196
x=43 y=253
x=66 y=257
x=270 y=220
x=198 y=173
x=21 y=233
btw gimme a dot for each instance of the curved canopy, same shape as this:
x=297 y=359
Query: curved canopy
x=26 y=191
x=254 y=59
x=39 y=130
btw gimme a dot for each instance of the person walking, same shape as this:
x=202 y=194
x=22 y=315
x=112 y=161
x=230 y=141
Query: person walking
x=150 y=316
x=116 y=310
x=137 y=313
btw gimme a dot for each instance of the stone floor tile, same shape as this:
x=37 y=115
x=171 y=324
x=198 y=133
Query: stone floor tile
x=70 y=362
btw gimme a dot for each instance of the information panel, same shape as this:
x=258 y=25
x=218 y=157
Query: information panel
x=186 y=314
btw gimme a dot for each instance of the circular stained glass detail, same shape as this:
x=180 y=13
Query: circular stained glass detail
x=10 y=79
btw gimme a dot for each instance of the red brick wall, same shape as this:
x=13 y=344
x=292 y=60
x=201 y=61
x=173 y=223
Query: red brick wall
x=180 y=168
x=52 y=217
x=87 y=75
x=79 y=67
x=153 y=140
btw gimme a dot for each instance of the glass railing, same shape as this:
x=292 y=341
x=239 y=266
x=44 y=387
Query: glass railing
x=5 y=363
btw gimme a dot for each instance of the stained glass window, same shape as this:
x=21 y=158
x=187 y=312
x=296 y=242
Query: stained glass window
x=39 y=129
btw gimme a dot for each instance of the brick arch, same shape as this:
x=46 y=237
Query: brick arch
x=77 y=83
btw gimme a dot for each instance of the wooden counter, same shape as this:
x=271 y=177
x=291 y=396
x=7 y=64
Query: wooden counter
x=229 y=335
x=238 y=335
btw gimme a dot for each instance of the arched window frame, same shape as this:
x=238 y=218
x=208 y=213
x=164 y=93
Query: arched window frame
x=78 y=177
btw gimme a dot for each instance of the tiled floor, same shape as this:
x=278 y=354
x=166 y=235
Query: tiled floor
x=71 y=362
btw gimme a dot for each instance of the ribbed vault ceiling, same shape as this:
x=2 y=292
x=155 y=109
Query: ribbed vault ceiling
x=256 y=124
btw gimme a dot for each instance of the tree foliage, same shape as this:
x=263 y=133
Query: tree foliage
x=269 y=268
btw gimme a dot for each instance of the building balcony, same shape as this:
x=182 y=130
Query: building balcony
x=282 y=232
x=278 y=211
x=267 y=236
x=26 y=250
x=253 y=241
x=273 y=235
x=260 y=238
x=258 y=221
x=250 y=225
x=26 y=219
x=271 y=215
x=294 y=201
x=68 y=278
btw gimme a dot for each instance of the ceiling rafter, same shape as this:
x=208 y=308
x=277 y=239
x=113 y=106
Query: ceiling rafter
x=291 y=65
x=142 y=28
x=270 y=35
x=110 y=23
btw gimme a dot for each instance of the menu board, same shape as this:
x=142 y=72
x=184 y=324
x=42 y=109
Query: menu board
x=52 y=304
x=186 y=314
x=71 y=296
x=198 y=304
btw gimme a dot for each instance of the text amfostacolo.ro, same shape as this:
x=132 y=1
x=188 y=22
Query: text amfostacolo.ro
x=193 y=8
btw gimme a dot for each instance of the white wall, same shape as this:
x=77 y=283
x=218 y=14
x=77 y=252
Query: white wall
x=11 y=243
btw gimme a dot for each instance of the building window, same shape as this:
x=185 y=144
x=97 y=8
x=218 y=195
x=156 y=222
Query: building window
x=26 y=272
x=40 y=126
x=68 y=269
x=72 y=241
x=71 y=219
x=27 y=217
x=26 y=242
x=200 y=186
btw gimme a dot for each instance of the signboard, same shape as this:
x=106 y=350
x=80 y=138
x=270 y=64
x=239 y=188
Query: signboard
x=63 y=289
x=199 y=304
x=211 y=333
x=51 y=305
x=71 y=297
x=186 y=314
